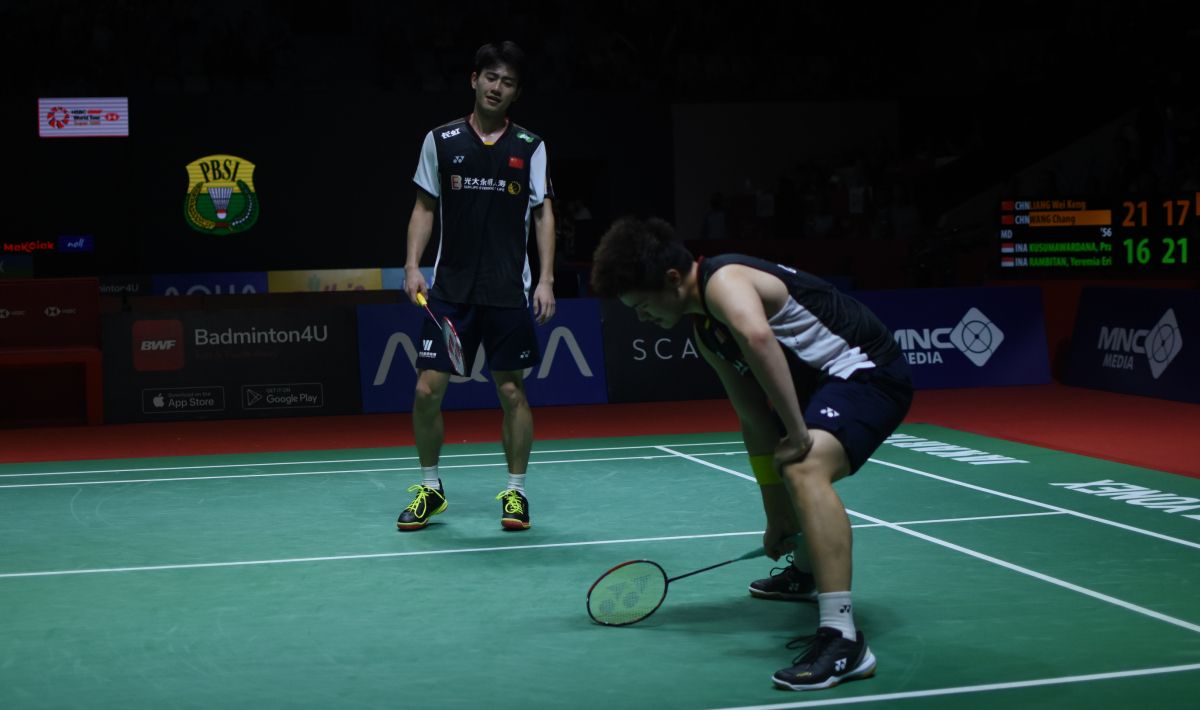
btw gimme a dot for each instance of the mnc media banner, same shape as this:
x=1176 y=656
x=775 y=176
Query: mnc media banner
x=1137 y=341
x=571 y=371
x=649 y=364
x=970 y=337
x=230 y=364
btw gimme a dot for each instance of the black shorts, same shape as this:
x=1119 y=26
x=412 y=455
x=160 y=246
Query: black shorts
x=863 y=410
x=507 y=336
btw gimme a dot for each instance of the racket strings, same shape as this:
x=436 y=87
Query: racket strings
x=628 y=593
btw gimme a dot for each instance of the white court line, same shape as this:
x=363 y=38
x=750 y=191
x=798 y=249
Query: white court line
x=349 y=470
x=705 y=463
x=365 y=556
x=1032 y=573
x=1008 y=565
x=370 y=556
x=963 y=689
x=1039 y=504
x=329 y=461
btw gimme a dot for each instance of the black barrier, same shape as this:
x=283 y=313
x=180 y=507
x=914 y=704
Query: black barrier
x=1137 y=341
x=230 y=364
x=648 y=364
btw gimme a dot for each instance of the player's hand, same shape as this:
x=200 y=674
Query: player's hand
x=791 y=450
x=414 y=283
x=543 y=303
x=778 y=539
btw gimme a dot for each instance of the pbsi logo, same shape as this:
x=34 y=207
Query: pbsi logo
x=221 y=198
x=157 y=345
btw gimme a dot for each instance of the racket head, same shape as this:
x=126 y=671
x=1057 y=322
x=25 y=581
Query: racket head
x=627 y=593
x=454 y=347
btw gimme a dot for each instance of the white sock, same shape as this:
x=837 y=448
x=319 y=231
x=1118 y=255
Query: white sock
x=430 y=476
x=837 y=613
x=516 y=482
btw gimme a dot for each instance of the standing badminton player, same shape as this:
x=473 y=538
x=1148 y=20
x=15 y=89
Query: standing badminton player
x=487 y=179
x=817 y=382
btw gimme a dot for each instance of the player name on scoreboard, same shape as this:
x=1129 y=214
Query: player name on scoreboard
x=1134 y=236
x=1057 y=242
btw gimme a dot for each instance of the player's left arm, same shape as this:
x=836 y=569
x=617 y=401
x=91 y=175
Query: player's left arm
x=739 y=296
x=543 y=295
x=541 y=195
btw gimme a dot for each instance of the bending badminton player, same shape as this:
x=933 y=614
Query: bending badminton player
x=817 y=382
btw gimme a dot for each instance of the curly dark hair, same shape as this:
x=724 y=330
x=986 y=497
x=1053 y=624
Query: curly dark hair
x=634 y=255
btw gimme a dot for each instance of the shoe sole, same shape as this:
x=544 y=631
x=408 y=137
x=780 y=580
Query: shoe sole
x=513 y=524
x=409 y=527
x=863 y=670
x=810 y=597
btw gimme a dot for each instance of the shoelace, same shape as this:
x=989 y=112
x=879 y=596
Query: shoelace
x=813 y=645
x=512 y=501
x=418 y=505
x=776 y=571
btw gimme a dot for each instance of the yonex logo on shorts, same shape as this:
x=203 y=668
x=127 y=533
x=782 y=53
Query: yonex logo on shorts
x=830 y=412
x=157 y=345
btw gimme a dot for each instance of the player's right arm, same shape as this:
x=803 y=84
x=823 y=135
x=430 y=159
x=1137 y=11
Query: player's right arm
x=420 y=231
x=760 y=432
x=420 y=224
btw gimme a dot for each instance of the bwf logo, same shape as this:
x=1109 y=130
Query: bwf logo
x=157 y=345
x=1159 y=344
x=975 y=336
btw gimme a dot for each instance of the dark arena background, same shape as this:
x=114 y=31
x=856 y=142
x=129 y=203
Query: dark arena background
x=207 y=359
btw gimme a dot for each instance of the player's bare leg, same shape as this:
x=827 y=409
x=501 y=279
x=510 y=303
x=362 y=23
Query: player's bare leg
x=429 y=430
x=517 y=437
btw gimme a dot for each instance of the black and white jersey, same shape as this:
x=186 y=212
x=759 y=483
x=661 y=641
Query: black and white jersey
x=821 y=330
x=485 y=195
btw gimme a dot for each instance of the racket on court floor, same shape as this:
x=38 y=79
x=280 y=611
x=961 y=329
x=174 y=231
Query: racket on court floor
x=634 y=590
x=449 y=337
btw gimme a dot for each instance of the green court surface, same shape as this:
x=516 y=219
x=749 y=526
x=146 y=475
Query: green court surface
x=986 y=575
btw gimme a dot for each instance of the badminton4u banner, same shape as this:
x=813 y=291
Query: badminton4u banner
x=80 y=118
x=1137 y=341
x=971 y=337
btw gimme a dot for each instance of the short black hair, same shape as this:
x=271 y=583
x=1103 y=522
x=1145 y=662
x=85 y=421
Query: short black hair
x=496 y=53
x=634 y=255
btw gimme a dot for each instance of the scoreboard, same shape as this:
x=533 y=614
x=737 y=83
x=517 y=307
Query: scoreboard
x=1082 y=238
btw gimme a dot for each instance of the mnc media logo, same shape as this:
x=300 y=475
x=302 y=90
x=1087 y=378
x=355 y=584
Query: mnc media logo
x=975 y=336
x=221 y=197
x=1159 y=344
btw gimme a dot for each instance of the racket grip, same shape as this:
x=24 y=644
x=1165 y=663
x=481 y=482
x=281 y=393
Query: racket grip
x=421 y=299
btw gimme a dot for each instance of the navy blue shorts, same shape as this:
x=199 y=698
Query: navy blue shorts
x=863 y=410
x=507 y=336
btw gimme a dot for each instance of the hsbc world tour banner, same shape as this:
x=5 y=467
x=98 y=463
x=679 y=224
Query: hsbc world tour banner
x=571 y=371
x=1137 y=341
x=971 y=337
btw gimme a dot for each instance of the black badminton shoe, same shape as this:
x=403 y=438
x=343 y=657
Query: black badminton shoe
x=786 y=583
x=514 y=510
x=427 y=503
x=829 y=659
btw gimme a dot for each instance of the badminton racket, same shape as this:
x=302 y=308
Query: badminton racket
x=634 y=590
x=449 y=337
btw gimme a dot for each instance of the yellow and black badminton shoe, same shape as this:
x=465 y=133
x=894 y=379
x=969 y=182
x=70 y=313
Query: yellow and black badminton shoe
x=514 y=510
x=427 y=503
x=829 y=659
x=786 y=583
